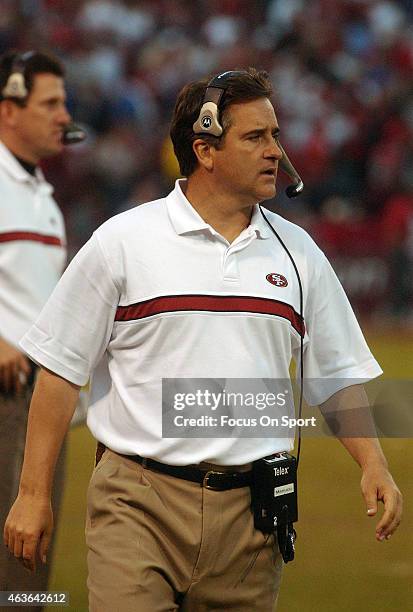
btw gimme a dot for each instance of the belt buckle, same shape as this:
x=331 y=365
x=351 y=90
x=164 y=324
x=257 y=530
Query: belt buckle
x=205 y=482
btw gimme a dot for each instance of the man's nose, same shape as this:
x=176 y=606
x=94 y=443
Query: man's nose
x=279 y=153
x=277 y=150
x=64 y=116
x=274 y=150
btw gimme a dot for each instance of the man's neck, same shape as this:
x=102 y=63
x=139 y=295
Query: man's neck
x=18 y=149
x=225 y=214
x=30 y=168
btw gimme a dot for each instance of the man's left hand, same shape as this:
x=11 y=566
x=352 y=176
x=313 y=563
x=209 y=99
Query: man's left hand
x=377 y=484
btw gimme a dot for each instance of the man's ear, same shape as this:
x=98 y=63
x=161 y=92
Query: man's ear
x=9 y=113
x=204 y=153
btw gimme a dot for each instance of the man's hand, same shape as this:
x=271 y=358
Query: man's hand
x=14 y=368
x=29 y=526
x=377 y=484
x=28 y=529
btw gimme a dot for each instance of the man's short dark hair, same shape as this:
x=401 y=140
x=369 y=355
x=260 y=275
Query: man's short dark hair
x=37 y=63
x=250 y=85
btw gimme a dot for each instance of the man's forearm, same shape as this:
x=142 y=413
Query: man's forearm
x=52 y=407
x=349 y=411
x=29 y=525
x=366 y=451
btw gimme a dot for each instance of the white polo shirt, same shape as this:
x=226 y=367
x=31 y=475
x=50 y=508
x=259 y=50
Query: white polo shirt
x=32 y=246
x=164 y=295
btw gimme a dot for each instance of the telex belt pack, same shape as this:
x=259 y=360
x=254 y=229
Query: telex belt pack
x=274 y=499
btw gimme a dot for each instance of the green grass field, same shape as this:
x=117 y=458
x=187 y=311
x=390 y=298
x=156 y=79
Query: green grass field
x=339 y=566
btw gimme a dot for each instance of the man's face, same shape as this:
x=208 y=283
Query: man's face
x=39 y=124
x=247 y=163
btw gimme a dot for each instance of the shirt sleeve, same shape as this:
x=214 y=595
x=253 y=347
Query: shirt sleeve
x=74 y=328
x=336 y=354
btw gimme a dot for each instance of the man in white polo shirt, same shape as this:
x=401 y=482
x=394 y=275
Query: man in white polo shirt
x=32 y=257
x=191 y=286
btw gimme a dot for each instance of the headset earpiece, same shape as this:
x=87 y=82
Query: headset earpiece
x=207 y=122
x=16 y=83
x=208 y=118
x=15 y=87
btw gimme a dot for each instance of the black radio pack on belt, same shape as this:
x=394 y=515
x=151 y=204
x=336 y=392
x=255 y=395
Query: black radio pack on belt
x=274 y=499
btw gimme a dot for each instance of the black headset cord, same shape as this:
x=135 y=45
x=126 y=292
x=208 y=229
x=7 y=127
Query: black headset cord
x=300 y=406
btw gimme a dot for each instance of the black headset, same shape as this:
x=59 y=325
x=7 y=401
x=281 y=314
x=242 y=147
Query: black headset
x=208 y=123
x=16 y=89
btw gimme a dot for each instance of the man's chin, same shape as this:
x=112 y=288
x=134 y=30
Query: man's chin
x=52 y=150
x=267 y=194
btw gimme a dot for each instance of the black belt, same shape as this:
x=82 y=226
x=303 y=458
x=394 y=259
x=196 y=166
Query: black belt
x=209 y=479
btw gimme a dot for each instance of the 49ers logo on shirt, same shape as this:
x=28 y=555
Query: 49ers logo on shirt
x=277 y=279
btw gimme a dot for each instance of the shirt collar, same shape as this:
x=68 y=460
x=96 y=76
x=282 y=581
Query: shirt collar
x=259 y=224
x=16 y=170
x=185 y=218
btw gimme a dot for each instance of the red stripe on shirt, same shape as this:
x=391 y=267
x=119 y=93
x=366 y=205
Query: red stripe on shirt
x=211 y=303
x=31 y=237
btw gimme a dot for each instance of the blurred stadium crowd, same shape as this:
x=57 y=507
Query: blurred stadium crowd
x=342 y=73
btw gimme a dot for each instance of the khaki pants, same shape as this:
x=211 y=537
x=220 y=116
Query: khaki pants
x=13 y=423
x=161 y=544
